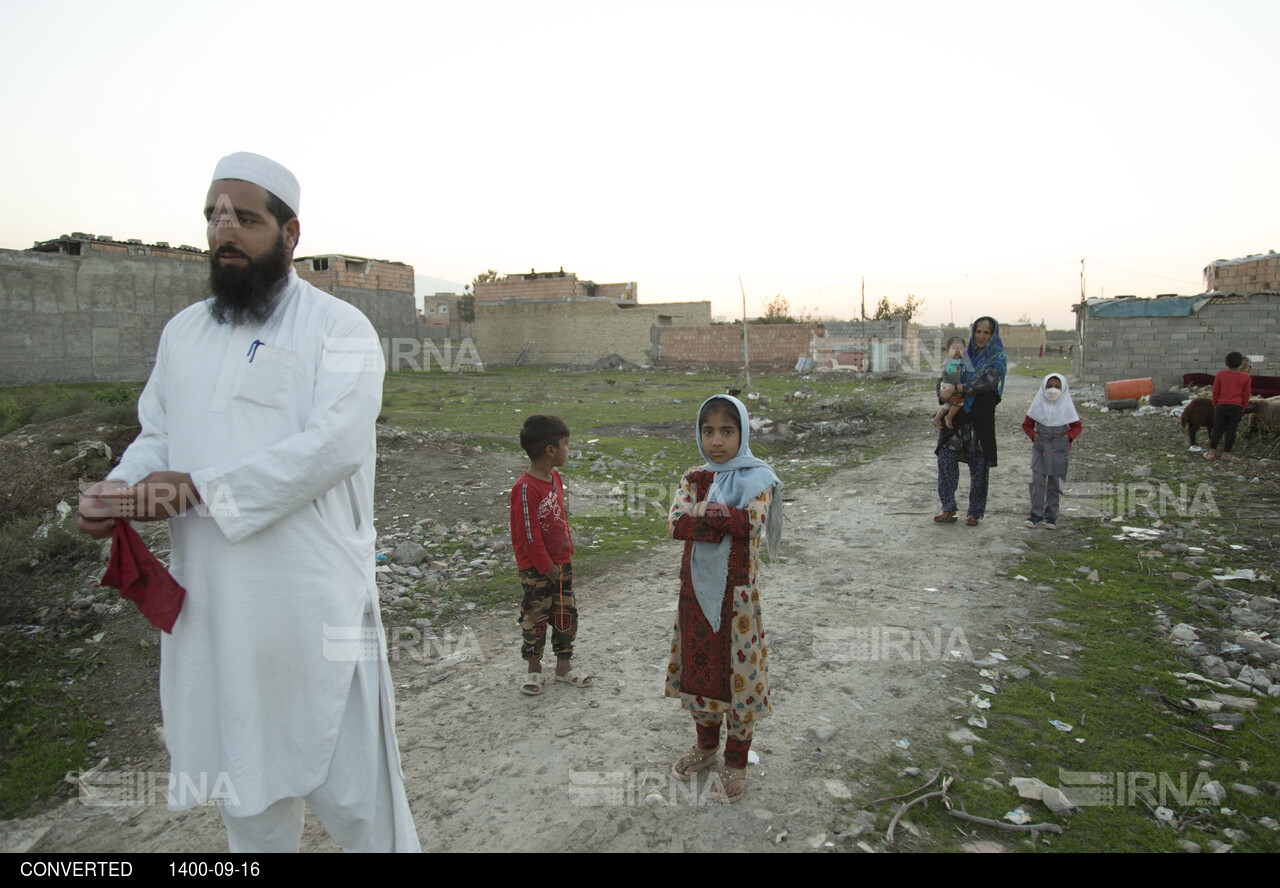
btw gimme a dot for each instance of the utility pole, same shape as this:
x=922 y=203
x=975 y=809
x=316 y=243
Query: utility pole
x=746 y=355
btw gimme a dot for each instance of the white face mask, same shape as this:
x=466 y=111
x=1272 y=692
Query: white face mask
x=1053 y=394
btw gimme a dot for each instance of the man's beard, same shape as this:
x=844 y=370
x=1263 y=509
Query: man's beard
x=248 y=294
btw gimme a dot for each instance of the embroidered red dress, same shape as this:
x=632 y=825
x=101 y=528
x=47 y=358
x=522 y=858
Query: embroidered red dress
x=725 y=671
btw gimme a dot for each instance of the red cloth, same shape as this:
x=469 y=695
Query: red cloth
x=539 y=523
x=142 y=579
x=1231 y=387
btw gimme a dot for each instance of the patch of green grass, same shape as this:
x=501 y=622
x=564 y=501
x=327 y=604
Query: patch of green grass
x=1042 y=367
x=1108 y=691
x=29 y=549
x=42 y=733
x=110 y=403
x=497 y=401
x=1109 y=672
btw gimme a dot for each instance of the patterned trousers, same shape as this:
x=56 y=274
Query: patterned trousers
x=736 y=745
x=543 y=603
x=949 y=478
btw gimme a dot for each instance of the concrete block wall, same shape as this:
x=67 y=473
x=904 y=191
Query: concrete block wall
x=1244 y=275
x=97 y=317
x=393 y=313
x=720 y=346
x=1166 y=348
x=91 y=318
x=576 y=332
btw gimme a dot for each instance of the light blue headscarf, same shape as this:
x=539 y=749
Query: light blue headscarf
x=737 y=482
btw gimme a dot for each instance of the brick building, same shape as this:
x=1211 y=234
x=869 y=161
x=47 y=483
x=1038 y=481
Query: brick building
x=77 y=243
x=383 y=290
x=439 y=319
x=1247 y=275
x=553 y=286
x=556 y=318
x=1165 y=337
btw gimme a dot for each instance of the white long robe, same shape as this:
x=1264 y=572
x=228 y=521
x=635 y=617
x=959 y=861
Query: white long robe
x=279 y=563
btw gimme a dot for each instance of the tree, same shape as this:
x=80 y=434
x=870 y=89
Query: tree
x=778 y=311
x=467 y=306
x=467 y=301
x=905 y=310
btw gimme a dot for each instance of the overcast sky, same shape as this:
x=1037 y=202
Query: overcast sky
x=968 y=153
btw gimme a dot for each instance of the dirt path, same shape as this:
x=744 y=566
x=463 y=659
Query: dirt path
x=487 y=768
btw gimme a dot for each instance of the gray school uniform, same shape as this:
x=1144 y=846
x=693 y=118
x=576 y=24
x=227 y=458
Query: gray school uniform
x=1049 y=455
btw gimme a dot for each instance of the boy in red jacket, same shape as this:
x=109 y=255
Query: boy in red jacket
x=544 y=553
x=1231 y=390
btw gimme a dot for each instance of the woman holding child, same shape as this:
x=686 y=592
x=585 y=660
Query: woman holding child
x=973 y=440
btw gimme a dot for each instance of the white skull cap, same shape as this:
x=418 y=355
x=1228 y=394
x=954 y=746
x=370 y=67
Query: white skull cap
x=262 y=171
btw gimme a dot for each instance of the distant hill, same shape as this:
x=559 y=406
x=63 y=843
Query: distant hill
x=425 y=284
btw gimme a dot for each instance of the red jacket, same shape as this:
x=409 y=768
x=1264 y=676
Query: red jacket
x=1073 y=430
x=1232 y=387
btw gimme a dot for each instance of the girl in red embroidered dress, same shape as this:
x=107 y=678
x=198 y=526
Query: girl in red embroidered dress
x=719 y=656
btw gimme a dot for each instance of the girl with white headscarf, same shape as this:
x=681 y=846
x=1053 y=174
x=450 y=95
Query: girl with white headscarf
x=1052 y=424
x=719 y=656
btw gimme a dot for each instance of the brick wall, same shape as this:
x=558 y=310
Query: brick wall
x=576 y=332
x=384 y=291
x=1166 y=348
x=617 y=291
x=552 y=286
x=720 y=346
x=520 y=289
x=886 y=346
x=1022 y=339
x=352 y=274
x=1244 y=275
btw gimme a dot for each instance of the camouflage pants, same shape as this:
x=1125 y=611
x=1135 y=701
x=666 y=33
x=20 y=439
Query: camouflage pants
x=542 y=606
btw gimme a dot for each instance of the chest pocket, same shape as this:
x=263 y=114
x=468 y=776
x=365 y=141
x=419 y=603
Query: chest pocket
x=268 y=378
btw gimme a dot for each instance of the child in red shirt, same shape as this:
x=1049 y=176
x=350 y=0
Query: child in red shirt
x=1231 y=390
x=544 y=553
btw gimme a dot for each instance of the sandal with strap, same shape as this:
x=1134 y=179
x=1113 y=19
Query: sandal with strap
x=972 y=521
x=727 y=776
x=694 y=761
x=945 y=518
x=531 y=683
x=573 y=678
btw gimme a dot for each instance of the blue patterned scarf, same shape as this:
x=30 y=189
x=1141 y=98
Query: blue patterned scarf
x=978 y=362
x=737 y=482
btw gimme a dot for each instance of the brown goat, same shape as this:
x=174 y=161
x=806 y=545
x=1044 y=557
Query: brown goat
x=1197 y=415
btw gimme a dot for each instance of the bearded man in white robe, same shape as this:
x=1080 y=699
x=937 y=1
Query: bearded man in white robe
x=257 y=445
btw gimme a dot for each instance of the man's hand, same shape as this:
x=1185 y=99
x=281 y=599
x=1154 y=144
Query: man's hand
x=554 y=574
x=157 y=497
x=99 y=508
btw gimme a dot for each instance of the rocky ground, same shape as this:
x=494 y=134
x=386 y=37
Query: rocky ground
x=488 y=768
